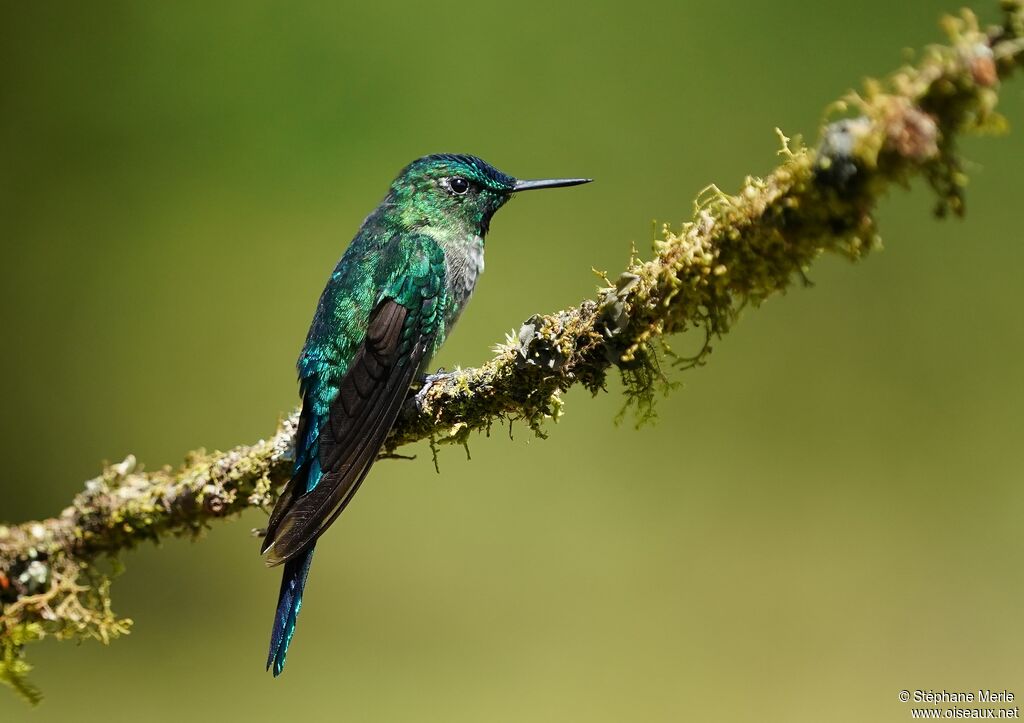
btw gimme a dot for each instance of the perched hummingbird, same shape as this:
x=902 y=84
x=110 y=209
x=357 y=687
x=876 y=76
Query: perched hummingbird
x=388 y=306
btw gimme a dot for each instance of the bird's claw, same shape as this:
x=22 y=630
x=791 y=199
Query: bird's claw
x=427 y=382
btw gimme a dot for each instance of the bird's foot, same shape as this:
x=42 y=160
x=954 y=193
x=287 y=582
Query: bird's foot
x=426 y=383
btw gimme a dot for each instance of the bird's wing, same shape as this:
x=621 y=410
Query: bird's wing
x=399 y=338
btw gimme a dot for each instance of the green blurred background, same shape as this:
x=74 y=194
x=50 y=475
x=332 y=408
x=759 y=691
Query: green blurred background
x=828 y=513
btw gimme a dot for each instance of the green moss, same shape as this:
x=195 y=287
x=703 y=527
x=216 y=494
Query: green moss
x=14 y=669
x=72 y=602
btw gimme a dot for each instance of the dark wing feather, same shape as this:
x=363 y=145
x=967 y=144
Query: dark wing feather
x=297 y=484
x=369 y=398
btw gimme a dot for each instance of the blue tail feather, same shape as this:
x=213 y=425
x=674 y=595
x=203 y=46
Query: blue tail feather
x=289 y=602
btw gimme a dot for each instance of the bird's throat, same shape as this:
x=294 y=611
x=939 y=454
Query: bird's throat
x=464 y=262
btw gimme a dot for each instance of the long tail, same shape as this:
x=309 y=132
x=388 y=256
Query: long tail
x=289 y=602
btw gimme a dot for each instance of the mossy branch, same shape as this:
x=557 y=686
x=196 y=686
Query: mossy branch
x=737 y=251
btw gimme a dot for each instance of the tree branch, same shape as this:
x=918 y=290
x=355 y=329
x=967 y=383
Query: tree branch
x=738 y=250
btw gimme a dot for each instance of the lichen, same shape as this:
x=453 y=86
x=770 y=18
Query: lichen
x=52 y=583
x=67 y=599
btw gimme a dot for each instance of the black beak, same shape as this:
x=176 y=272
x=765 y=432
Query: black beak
x=548 y=183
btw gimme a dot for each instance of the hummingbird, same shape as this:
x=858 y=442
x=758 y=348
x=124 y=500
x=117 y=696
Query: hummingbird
x=388 y=306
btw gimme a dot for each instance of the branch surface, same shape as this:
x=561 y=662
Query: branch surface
x=738 y=250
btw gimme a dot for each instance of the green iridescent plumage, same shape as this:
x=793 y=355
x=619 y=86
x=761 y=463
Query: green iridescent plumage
x=386 y=309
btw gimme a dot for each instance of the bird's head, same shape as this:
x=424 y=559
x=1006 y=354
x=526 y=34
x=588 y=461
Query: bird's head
x=457 y=192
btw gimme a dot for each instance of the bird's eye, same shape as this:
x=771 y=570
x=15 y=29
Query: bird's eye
x=458 y=185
